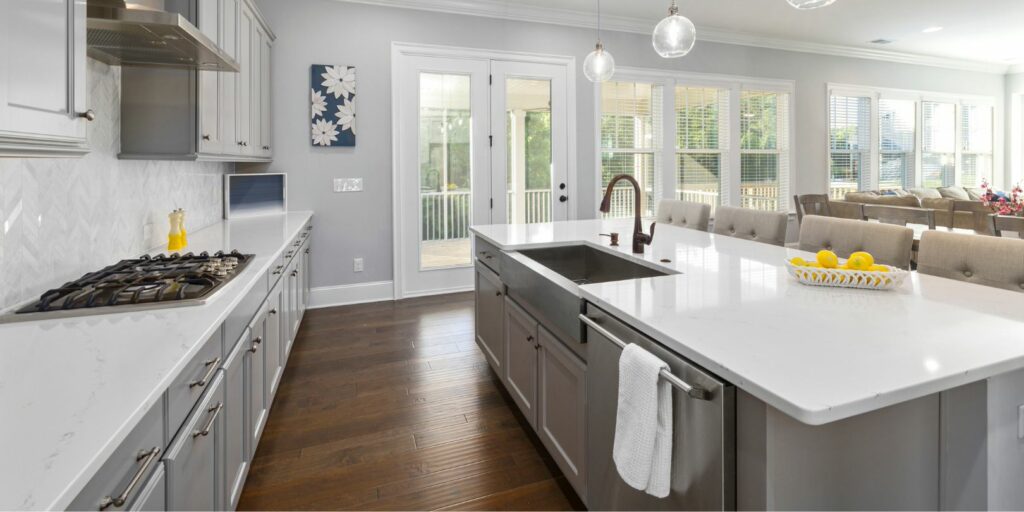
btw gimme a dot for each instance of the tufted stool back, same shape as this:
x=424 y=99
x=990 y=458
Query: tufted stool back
x=759 y=226
x=985 y=260
x=889 y=244
x=684 y=214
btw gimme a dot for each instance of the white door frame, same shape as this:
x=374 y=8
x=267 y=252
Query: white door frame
x=399 y=52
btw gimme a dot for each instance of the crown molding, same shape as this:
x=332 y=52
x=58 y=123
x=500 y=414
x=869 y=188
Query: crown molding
x=555 y=16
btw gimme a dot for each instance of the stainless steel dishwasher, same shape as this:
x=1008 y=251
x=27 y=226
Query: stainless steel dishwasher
x=704 y=426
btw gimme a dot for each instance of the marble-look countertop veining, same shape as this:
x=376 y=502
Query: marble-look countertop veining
x=818 y=354
x=72 y=389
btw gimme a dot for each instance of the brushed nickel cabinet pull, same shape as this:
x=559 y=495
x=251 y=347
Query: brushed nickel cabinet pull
x=88 y=115
x=277 y=270
x=206 y=136
x=256 y=344
x=213 y=364
x=307 y=250
x=273 y=311
x=149 y=456
x=209 y=424
x=295 y=273
x=497 y=294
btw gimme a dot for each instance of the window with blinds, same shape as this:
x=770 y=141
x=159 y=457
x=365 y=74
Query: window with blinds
x=764 y=149
x=849 y=144
x=976 y=135
x=631 y=139
x=938 y=144
x=897 y=141
x=702 y=134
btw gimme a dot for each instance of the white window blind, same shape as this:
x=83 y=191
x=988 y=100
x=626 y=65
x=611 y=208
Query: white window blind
x=702 y=143
x=849 y=144
x=938 y=144
x=976 y=134
x=631 y=139
x=764 y=149
x=897 y=140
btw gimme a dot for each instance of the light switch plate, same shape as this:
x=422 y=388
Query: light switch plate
x=1020 y=422
x=357 y=265
x=348 y=184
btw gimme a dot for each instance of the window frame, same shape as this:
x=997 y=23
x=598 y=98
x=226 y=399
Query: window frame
x=919 y=98
x=730 y=188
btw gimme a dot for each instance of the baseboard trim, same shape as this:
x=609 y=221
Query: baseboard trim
x=439 y=291
x=328 y=296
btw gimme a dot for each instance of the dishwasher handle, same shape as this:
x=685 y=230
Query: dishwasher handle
x=691 y=390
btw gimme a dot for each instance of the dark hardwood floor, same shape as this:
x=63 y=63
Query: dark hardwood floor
x=392 y=406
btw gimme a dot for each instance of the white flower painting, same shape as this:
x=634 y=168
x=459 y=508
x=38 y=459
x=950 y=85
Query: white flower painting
x=333 y=89
x=325 y=133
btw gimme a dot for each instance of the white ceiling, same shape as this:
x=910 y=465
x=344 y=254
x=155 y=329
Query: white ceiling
x=981 y=31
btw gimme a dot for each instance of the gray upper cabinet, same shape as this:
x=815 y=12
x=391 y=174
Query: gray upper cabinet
x=193 y=482
x=42 y=78
x=521 y=348
x=490 y=318
x=175 y=114
x=561 y=408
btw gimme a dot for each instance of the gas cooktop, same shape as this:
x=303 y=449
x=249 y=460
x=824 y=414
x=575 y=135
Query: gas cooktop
x=147 y=282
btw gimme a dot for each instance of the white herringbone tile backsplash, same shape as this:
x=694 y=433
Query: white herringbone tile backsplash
x=62 y=217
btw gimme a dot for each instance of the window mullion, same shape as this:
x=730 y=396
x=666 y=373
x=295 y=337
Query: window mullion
x=731 y=180
x=670 y=164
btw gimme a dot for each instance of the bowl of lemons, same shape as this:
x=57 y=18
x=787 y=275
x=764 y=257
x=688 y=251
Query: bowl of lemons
x=857 y=271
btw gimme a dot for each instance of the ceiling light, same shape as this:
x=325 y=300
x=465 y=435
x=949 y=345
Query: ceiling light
x=929 y=30
x=674 y=36
x=599 y=66
x=810 y=4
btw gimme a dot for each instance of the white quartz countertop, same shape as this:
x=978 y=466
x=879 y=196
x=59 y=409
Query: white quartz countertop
x=818 y=354
x=72 y=389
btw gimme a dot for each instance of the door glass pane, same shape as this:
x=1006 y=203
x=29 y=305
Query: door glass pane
x=445 y=120
x=528 y=123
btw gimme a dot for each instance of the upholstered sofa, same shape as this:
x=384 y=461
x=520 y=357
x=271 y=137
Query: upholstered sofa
x=940 y=200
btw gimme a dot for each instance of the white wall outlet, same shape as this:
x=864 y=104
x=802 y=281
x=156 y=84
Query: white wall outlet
x=1020 y=422
x=348 y=184
x=357 y=265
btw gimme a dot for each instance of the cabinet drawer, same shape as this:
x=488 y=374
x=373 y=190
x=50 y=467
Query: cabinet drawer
x=487 y=254
x=185 y=391
x=240 y=317
x=119 y=482
x=192 y=460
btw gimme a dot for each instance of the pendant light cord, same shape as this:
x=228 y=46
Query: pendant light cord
x=598 y=21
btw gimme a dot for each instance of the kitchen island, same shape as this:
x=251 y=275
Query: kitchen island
x=844 y=398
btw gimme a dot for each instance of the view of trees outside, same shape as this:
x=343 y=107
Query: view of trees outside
x=849 y=144
x=698 y=142
x=759 y=149
x=445 y=134
x=630 y=137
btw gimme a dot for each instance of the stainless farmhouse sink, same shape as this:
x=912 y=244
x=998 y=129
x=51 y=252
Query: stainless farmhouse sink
x=583 y=264
x=546 y=283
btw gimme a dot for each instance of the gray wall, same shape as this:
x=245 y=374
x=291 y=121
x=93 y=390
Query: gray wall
x=359 y=224
x=63 y=217
x=1014 y=137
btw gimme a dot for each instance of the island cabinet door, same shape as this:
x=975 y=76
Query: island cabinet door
x=153 y=497
x=521 y=348
x=561 y=408
x=272 y=343
x=490 y=318
x=255 y=378
x=236 y=425
x=192 y=461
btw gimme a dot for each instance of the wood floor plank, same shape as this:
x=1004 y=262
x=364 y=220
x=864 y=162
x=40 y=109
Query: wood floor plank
x=391 y=406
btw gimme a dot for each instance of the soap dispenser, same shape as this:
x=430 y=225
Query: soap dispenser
x=181 y=227
x=174 y=237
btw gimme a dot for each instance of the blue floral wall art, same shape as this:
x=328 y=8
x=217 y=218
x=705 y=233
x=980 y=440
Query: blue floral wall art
x=333 y=105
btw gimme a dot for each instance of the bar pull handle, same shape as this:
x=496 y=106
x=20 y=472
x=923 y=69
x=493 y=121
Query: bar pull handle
x=213 y=364
x=148 y=456
x=209 y=424
x=691 y=390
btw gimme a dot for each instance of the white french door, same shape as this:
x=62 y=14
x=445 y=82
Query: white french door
x=477 y=141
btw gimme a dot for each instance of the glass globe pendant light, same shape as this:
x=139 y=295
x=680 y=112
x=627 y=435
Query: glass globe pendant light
x=599 y=66
x=674 y=36
x=810 y=4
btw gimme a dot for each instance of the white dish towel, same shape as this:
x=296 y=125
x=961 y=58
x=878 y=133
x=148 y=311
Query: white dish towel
x=643 y=423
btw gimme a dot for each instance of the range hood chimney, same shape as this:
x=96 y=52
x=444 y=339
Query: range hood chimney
x=141 y=33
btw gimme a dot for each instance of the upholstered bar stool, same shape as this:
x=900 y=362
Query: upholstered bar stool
x=989 y=261
x=759 y=226
x=684 y=214
x=889 y=244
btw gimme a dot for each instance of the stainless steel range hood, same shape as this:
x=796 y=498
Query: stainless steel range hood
x=142 y=33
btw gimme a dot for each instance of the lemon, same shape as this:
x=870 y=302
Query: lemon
x=828 y=259
x=860 y=261
x=866 y=255
x=879 y=268
x=798 y=261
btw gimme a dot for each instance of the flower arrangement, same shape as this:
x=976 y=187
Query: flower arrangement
x=1002 y=203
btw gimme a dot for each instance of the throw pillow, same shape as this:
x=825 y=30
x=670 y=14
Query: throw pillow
x=957 y=193
x=926 y=193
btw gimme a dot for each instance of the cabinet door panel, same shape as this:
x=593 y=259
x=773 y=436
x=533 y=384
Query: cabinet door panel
x=229 y=81
x=521 y=359
x=209 y=24
x=236 y=425
x=153 y=497
x=265 y=126
x=256 y=380
x=192 y=460
x=273 y=343
x=561 y=413
x=243 y=127
x=490 y=319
